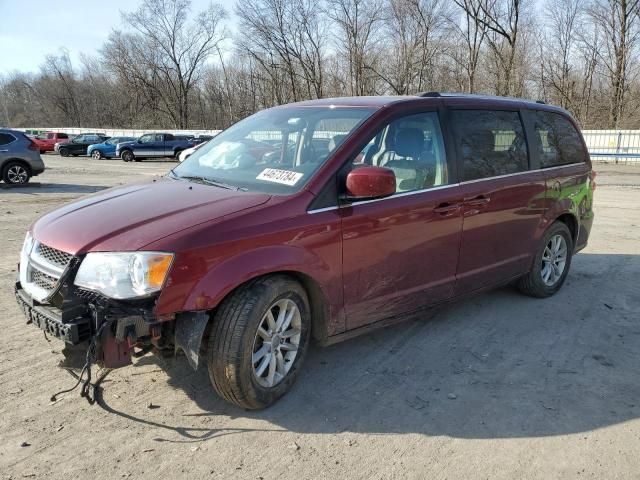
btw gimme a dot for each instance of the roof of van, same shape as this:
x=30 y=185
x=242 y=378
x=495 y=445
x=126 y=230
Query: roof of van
x=381 y=101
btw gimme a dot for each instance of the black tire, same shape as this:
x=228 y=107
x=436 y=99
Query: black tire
x=127 y=156
x=16 y=173
x=532 y=283
x=64 y=152
x=97 y=154
x=177 y=153
x=232 y=341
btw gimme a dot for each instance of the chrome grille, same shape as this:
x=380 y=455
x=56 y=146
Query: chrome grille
x=41 y=269
x=54 y=256
x=42 y=280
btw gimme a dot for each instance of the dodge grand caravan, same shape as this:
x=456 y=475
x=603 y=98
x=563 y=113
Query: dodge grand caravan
x=320 y=219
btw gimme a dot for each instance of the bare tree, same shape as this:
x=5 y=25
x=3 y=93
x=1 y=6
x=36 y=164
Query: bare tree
x=619 y=21
x=415 y=29
x=503 y=21
x=473 y=31
x=167 y=52
x=357 y=25
x=284 y=36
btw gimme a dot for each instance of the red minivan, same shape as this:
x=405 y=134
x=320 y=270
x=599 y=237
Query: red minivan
x=356 y=213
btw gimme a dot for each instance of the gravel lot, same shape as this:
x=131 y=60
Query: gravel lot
x=498 y=386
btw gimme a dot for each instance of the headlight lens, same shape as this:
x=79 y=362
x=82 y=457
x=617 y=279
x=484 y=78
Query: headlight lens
x=27 y=245
x=124 y=275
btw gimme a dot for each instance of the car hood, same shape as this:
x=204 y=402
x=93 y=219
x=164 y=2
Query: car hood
x=130 y=217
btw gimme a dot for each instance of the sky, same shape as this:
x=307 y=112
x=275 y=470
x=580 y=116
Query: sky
x=31 y=29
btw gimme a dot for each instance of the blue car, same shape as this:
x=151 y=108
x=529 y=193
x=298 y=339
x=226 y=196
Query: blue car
x=107 y=149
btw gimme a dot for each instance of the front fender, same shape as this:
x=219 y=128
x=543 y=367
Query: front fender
x=190 y=288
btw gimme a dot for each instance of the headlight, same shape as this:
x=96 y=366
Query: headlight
x=124 y=275
x=27 y=245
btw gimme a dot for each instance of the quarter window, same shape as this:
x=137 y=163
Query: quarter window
x=491 y=143
x=6 y=139
x=413 y=148
x=558 y=141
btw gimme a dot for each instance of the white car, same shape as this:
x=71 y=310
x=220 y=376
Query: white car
x=184 y=154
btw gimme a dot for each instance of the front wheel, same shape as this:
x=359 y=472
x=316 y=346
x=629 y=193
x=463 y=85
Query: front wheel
x=258 y=341
x=551 y=264
x=127 y=156
x=64 y=152
x=97 y=154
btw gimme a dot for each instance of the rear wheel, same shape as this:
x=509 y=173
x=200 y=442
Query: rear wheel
x=551 y=265
x=258 y=341
x=127 y=156
x=15 y=173
x=63 y=151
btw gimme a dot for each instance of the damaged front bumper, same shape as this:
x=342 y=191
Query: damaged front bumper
x=133 y=329
x=77 y=319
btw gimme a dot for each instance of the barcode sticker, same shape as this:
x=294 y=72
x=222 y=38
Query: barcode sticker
x=284 y=177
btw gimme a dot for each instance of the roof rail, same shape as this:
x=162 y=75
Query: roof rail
x=428 y=94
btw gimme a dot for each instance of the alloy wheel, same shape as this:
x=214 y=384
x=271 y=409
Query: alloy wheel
x=554 y=260
x=276 y=343
x=17 y=174
x=97 y=155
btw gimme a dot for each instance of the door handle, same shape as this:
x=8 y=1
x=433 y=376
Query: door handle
x=447 y=208
x=477 y=201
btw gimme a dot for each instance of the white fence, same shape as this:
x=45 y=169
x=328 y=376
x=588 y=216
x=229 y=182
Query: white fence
x=613 y=146
x=118 y=132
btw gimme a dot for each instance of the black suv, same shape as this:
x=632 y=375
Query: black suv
x=80 y=144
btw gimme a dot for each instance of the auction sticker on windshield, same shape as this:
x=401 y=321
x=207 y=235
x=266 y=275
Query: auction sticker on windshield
x=285 y=177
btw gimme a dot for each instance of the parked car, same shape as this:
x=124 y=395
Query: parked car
x=246 y=255
x=56 y=147
x=80 y=144
x=153 y=145
x=107 y=149
x=183 y=155
x=198 y=139
x=47 y=141
x=19 y=157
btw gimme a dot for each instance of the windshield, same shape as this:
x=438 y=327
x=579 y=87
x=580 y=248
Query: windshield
x=274 y=151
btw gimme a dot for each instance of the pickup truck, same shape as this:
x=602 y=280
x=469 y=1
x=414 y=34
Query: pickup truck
x=153 y=145
x=46 y=141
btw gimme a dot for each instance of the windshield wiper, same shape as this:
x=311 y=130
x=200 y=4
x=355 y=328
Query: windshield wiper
x=209 y=181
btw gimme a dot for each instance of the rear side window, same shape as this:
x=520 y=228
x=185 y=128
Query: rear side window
x=559 y=142
x=63 y=135
x=491 y=143
x=6 y=138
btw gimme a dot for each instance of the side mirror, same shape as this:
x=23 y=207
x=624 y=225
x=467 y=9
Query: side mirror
x=368 y=183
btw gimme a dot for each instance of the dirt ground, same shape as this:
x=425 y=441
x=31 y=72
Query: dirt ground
x=498 y=386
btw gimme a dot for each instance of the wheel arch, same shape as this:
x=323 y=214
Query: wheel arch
x=318 y=301
x=21 y=161
x=570 y=220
